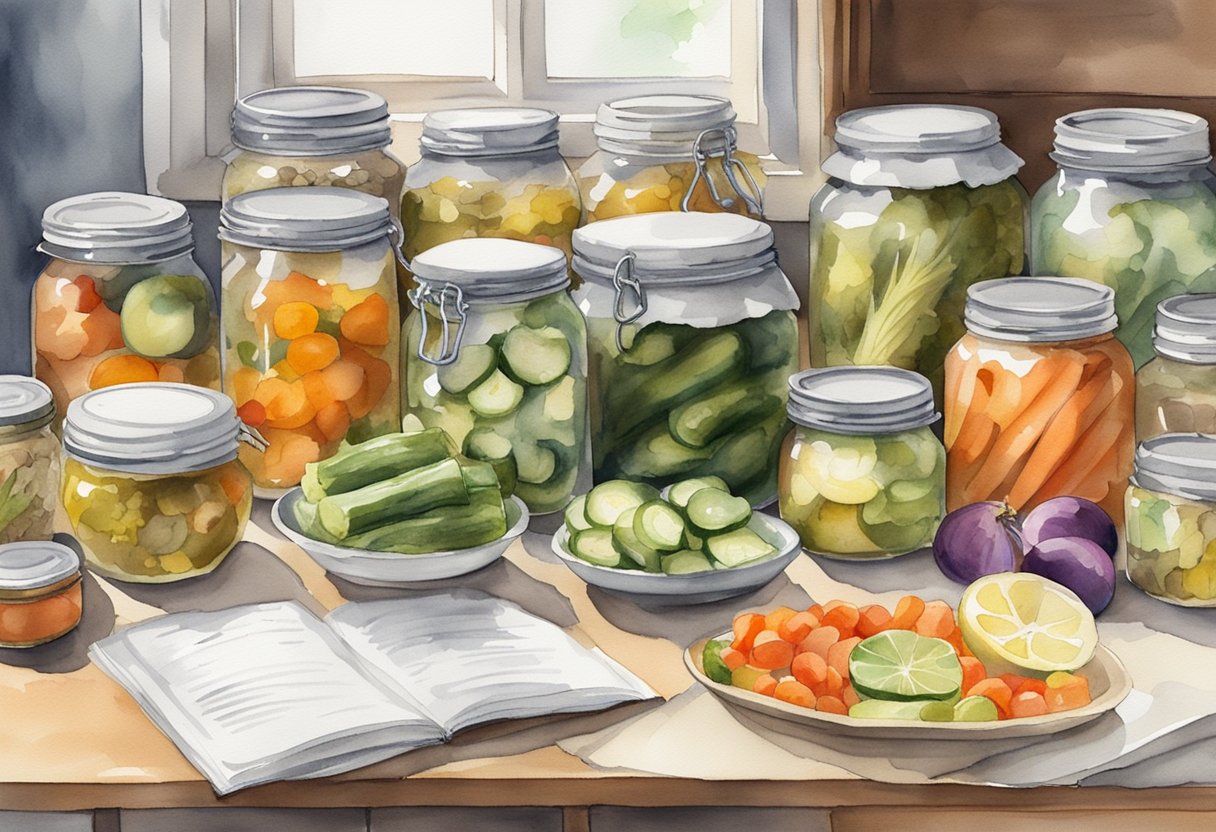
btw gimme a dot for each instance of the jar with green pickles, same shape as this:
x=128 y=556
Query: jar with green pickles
x=862 y=476
x=692 y=339
x=495 y=353
x=151 y=483
x=1133 y=207
x=1176 y=390
x=921 y=202
x=1171 y=519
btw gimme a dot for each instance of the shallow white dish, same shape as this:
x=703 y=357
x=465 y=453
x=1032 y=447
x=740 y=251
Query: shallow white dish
x=697 y=587
x=362 y=566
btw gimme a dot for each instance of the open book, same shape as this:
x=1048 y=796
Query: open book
x=270 y=692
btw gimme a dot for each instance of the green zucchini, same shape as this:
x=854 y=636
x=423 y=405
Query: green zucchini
x=626 y=541
x=374 y=460
x=576 y=515
x=306 y=518
x=654 y=455
x=536 y=357
x=390 y=500
x=659 y=526
x=608 y=500
x=680 y=492
x=685 y=562
x=595 y=547
x=698 y=422
x=474 y=364
x=743 y=458
x=496 y=396
x=742 y=546
x=487 y=445
x=712 y=511
x=443 y=529
x=478 y=474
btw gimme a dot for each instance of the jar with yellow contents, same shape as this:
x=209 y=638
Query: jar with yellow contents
x=669 y=153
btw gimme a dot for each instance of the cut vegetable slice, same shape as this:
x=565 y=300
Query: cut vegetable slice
x=607 y=500
x=698 y=422
x=712 y=664
x=536 y=356
x=884 y=709
x=739 y=547
x=627 y=543
x=685 y=562
x=712 y=511
x=595 y=547
x=900 y=665
x=475 y=364
x=496 y=396
x=486 y=445
x=659 y=526
x=166 y=316
x=576 y=515
x=534 y=464
x=682 y=491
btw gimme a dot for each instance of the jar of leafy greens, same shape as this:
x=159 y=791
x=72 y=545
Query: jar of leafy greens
x=29 y=460
x=692 y=339
x=1133 y=207
x=1176 y=390
x=920 y=203
x=495 y=353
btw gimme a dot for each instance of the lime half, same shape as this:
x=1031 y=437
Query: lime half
x=901 y=665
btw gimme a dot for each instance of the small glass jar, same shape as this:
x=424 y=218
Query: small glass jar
x=310 y=324
x=29 y=460
x=41 y=596
x=862 y=476
x=495 y=346
x=1133 y=207
x=669 y=153
x=121 y=299
x=921 y=202
x=692 y=339
x=302 y=136
x=151 y=482
x=1171 y=519
x=1039 y=397
x=1176 y=390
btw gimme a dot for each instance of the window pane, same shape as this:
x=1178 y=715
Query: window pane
x=394 y=37
x=637 y=38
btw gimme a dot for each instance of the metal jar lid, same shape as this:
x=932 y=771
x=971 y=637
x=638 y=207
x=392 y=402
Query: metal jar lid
x=25 y=404
x=152 y=428
x=1186 y=329
x=305 y=219
x=861 y=400
x=1121 y=139
x=311 y=121
x=1039 y=309
x=34 y=564
x=489 y=131
x=1183 y=464
x=660 y=125
x=115 y=227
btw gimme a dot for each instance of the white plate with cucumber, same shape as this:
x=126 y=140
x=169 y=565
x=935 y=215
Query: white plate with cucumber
x=693 y=544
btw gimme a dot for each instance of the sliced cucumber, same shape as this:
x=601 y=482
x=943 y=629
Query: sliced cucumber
x=534 y=464
x=475 y=364
x=712 y=664
x=487 y=445
x=694 y=542
x=627 y=543
x=737 y=548
x=700 y=421
x=607 y=500
x=712 y=511
x=659 y=526
x=595 y=547
x=536 y=356
x=496 y=396
x=685 y=562
x=576 y=515
x=655 y=455
x=680 y=492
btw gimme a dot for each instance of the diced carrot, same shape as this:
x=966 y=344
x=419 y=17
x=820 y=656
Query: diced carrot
x=809 y=668
x=333 y=420
x=745 y=628
x=1032 y=686
x=937 y=621
x=171 y=373
x=89 y=300
x=104 y=329
x=996 y=690
x=1014 y=680
x=831 y=705
x=797 y=627
x=314 y=351
x=289 y=408
x=244 y=383
x=816 y=610
x=295 y=319
x=252 y=413
x=732 y=658
x=377 y=376
x=766 y=685
x=872 y=620
x=907 y=611
x=973 y=672
x=843 y=617
x=318 y=393
x=770 y=651
x=287 y=455
x=849 y=696
x=956 y=641
x=1066 y=691
x=235 y=485
x=122 y=369
x=366 y=322
x=1026 y=704
x=795 y=693
x=344 y=379
x=838 y=655
x=773 y=620
x=818 y=642
x=297 y=286
x=832 y=685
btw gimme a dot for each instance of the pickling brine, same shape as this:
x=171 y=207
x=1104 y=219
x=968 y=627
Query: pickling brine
x=29 y=460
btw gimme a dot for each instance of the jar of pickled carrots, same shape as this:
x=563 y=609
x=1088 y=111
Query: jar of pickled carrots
x=310 y=324
x=1039 y=396
x=1176 y=390
x=121 y=298
x=669 y=153
x=151 y=482
x=495 y=353
x=29 y=460
x=41 y=592
x=862 y=476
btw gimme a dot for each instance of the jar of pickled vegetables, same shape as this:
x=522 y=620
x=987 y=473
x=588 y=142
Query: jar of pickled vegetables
x=495 y=353
x=862 y=476
x=151 y=482
x=41 y=592
x=1176 y=390
x=1133 y=207
x=692 y=340
x=669 y=153
x=302 y=136
x=29 y=460
x=1039 y=396
x=121 y=299
x=920 y=203
x=310 y=324
x=1171 y=519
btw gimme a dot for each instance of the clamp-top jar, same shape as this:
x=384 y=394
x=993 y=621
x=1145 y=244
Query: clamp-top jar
x=1176 y=390
x=29 y=460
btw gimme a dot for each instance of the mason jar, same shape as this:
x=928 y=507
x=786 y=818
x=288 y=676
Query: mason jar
x=1132 y=207
x=121 y=299
x=29 y=460
x=692 y=340
x=862 y=475
x=495 y=350
x=920 y=203
x=1176 y=390
x=41 y=592
x=310 y=324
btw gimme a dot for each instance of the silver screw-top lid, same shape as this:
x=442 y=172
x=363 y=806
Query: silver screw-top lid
x=1040 y=309
x=492 y=269
x=1122 y=139
x=115 y=227
x=660 y=125
x=311 y=121
x=1183 y=464
x=305 y=219
x=25 y=403
x=1186 y=328
x=926 y=129
x=861 y=400
x=489 y=131
x=33 y=564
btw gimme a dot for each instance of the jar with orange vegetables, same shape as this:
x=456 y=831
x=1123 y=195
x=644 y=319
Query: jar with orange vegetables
x=121 y=299
x=41 y=593
x=1040 y=397
x=310 y=324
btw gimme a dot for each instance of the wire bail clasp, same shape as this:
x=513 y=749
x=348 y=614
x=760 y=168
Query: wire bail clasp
x=623 y=278
x=251 y=437
x=449 y=298
x=748 y=190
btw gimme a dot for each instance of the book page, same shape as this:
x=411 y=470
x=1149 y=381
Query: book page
x=471 y=658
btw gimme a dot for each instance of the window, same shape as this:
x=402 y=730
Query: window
x=565 y=55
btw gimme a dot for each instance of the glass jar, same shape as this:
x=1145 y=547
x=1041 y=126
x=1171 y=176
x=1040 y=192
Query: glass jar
x=121 y=299
x=303 y=136
x=1132 y=207
x=151 y=482
x=669 y=153
x=1171 y=519
x=1039 y=396
x=1176 y=390
x=489 y=172
x=862 y=475
x=310 y=324
x=921 y=202
x=29 y=460
x=692 y=340
x=41 y=597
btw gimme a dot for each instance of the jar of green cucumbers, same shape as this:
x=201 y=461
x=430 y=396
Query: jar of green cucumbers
x=692 y=339
x=495 y=353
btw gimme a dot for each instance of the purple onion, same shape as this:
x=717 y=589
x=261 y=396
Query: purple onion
x=977 y=540
x=1070 y=517
x=1077 y=563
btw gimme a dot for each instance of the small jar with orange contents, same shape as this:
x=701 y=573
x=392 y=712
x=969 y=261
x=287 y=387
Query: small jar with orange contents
x=310 y=324
x=40 y=592
x=1040 y=397
x=121 y=299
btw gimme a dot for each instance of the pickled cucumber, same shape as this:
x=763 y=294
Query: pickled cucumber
x=355 y=466
x=536 y=356
x=396 y=498
x=167 y=316
x=446 y=528
x=475 y=364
